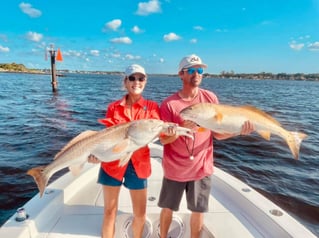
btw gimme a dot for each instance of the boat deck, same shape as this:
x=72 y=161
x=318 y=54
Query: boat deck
x=74 y=208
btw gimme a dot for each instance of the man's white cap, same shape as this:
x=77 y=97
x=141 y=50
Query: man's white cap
x=134 y=68
x=189 y=61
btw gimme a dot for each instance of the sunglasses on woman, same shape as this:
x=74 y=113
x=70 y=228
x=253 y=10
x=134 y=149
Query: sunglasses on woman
x=132 y=78
x=193 y=70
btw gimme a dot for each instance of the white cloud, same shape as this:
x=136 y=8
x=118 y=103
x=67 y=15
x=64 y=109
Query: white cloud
x=146 y=8
x=136 y=30
x=198 y=28
x=33 y=36
x=73 y=53
x=304 y=37
x=116 y=55
x=193 y=41
x=161 y=60
x=29 y=10
x=171 y=37
x=221 y=30
x=295 y=46
x=113 y=25
x=132 y=57
x=4 y=49
x=95 y=52
x=313 y=46
x=129 y=56
x=123 y=40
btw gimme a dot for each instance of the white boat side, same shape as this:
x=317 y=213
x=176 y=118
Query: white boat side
x=73 y=207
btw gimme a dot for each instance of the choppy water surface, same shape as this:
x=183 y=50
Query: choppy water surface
x=35 y=124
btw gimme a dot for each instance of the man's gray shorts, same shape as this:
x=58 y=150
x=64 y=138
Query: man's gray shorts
x=197 y=194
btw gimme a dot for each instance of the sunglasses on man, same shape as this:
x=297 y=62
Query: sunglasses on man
x=193 y=70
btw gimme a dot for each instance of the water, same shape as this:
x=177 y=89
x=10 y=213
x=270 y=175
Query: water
x=35 y=124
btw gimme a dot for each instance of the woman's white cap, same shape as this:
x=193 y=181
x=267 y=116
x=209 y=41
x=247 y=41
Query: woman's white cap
x=134 y=68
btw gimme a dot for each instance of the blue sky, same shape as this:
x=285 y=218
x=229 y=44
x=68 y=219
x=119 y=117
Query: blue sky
x=246 y=36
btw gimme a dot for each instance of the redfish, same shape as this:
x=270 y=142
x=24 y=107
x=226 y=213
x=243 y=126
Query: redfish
x=114 y=143
x=230 y=119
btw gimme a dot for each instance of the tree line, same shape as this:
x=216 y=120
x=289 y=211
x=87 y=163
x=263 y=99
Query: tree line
x=14 y=67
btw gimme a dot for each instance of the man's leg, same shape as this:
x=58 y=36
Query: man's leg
x=165 y=221
x=196 y=224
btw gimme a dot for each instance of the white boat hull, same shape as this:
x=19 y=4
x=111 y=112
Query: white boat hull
x=73 y=207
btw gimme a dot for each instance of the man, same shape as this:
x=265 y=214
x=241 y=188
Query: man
x=188 y=164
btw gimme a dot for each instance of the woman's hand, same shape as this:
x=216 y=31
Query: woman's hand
x=93 y=160
x=170 y=131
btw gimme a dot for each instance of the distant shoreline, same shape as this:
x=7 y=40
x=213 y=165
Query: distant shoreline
x=297 y=77
x=15 y=68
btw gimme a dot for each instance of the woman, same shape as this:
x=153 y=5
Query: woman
x=134 y=174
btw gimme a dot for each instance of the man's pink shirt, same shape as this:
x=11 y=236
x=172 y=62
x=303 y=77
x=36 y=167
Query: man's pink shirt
x=177 y=164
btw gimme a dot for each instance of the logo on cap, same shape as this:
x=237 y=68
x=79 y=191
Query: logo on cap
x=194 y=59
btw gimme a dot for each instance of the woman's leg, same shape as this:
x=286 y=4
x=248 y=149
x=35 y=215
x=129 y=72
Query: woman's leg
x=139 y=211
x=111 y=194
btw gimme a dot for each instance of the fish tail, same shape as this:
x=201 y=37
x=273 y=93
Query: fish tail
x=39 y=177
x=294 y=140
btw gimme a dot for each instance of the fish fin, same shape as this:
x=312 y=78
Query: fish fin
x=264 y=134
x=76 y=169
x=39 y=177
x=121 y=146
x=264 y=114
x=218 y=117
x=76 y=139
x=294 y=140
x=201 y=129
x=125 y=159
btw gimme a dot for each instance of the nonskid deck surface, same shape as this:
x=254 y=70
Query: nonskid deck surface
x=74 y=208
x=82 y=215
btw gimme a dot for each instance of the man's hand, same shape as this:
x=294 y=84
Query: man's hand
x=247 y=128
x=189 y=124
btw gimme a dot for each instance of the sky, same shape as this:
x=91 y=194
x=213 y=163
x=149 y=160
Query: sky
x=240 y=36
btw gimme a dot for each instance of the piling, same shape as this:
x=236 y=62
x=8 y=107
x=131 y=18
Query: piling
x=54 y=81
x=53 y=58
